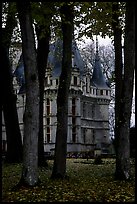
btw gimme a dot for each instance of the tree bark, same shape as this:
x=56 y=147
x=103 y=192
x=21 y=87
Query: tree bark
x=123 y=152
x=42 y=56
x=123 y=91
x=14 y=141
x=31 y=115
x=59 y=167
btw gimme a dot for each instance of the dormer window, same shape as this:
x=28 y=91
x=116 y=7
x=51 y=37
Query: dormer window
x=101 y=92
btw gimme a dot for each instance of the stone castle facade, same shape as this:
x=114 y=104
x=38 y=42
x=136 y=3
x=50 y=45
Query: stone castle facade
x=88 y=109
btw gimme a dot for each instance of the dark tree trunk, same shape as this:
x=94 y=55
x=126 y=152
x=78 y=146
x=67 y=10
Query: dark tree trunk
x=118 y=78
x=42 y=55
x=14 y=142
x=118 y=69
x=123 y=155
x=31 y=115
x=59 y=167
x=123 y=93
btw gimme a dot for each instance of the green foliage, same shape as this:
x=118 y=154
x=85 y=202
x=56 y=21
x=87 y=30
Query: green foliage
x=96 y=18
x=87 y=183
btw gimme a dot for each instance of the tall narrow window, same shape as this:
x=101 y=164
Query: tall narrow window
x=93 y=137
x=93 y=111
x=73 y=106
x=84 y=109
x=84 y=135
x=101 y=92
x=73 y=120
x=73 y=129
x=74 y=134
x=48 y=106
x=75 y=80
x=48 y=134
x=50 y=81
x=86 y=85
x=57 y=81
x=46 y=81
x=48 y=120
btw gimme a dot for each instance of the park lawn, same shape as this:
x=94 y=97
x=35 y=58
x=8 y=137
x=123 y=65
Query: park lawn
x=88 y=182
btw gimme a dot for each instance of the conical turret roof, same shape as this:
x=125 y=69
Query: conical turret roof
x=55 y=57
x=98 y=79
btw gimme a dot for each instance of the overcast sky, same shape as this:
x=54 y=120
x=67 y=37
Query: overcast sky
x=101 y=41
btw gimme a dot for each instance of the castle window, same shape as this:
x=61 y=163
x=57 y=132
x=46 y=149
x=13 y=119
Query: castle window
x=48 y=134
x=48 y=106
x=84 y=135
x=48 y=121
x=73 y=106
x=84 y=109
x=86 y=85
x=93 y=137
x=74 y=134
x=101 y=92
x=50 y=81
x=73 y=101
x=73 y=120
x=93 y=111
x=107 y=92
x=75 y=80
x=46 y=81
x=57 y=81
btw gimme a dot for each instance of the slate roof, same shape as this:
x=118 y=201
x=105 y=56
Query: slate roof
x=54 y=60
x=98 y=79
x=55 y=55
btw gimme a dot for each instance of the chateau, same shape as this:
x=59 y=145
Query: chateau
x=89 y=98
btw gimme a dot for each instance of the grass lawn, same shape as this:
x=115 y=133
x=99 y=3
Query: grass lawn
x=87 y=183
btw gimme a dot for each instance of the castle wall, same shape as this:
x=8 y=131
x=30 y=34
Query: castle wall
x=87 y=111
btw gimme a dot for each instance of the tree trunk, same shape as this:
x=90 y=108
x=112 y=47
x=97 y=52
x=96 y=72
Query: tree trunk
x=123 y=94
x=118 y=68
x=31 y=115
x=42 y=55
x=123 y=152
x=59 y=167
x=14 y=142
